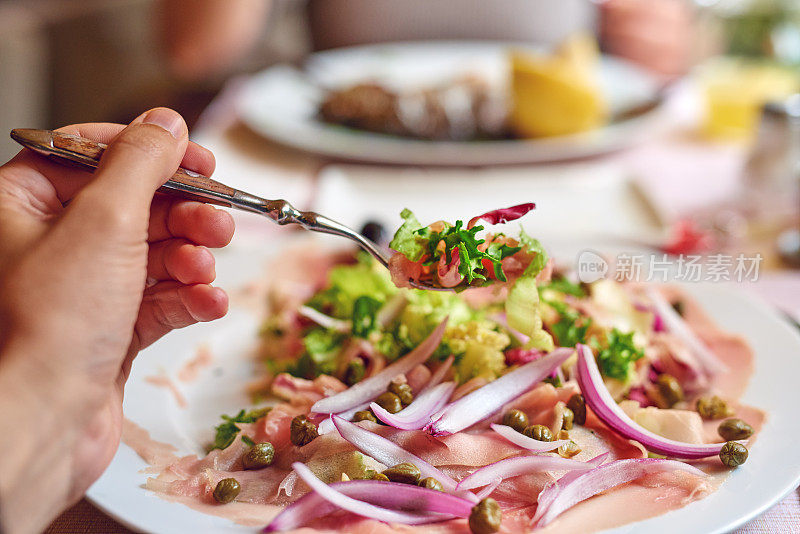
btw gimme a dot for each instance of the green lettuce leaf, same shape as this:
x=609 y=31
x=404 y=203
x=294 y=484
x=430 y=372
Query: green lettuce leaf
x=348 y=283
x=534 y=246
x=407 y=240
x=523 y=313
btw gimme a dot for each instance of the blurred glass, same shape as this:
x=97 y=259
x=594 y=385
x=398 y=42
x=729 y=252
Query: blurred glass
x=734 y=90
x=760 y=41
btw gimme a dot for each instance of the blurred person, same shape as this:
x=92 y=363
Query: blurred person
x=93 y=268
x=206 y=37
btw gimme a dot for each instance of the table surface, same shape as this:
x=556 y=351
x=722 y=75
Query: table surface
x=261 y=167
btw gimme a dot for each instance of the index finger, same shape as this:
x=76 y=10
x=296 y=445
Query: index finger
x=67 y=181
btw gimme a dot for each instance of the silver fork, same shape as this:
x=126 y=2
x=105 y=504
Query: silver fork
x=65 y=149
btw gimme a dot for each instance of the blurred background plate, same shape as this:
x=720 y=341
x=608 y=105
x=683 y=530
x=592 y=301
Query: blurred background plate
x=281 y=103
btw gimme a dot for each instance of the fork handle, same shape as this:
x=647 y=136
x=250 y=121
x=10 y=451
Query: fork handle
x=184 y=183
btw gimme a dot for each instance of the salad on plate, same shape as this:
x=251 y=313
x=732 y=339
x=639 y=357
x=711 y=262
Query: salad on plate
x=521 y=401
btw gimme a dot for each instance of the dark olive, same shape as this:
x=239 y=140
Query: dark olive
x=670 y=389
x=516 y=419
x=302 y=431
x=713 y=408
x=227 y=490
x=733 y=429
x=355 y=371
x=364 y=415
x=374 y=231
x=389 y=402
x=539 y=432
x=578 y=407
x=406 y=473
x=733 y=454
x=403 y=392
x=485 y=517
x=259 y=456
x=431 y=483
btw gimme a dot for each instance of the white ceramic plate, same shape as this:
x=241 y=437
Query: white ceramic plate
x=281 y=103
x=771 y=471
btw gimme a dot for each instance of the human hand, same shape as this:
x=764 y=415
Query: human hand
x=83 y=288
x=657 y=34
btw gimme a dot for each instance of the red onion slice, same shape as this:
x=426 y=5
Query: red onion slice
x=557 y=498
x=602 y=404
x=525 y=442
x=348 y=496
x=502 y=215
x=326 y=426
x=484 y=401
x=520 y=465
x=417 y=414
x=387 y=452
x=323 y=320
x=676 y=325
x=368 y=389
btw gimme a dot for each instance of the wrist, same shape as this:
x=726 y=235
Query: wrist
x=36 y=438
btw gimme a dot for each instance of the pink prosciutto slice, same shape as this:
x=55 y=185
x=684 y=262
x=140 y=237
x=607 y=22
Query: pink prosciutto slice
x=559 y=497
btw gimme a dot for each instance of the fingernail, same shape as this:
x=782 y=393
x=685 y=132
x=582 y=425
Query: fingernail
x=170 y=120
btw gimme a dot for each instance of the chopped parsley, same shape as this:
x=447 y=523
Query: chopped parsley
x=571 y=327
x=616 y=359
x=226 y=431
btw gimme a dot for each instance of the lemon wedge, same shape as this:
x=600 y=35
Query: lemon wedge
x=556 y=94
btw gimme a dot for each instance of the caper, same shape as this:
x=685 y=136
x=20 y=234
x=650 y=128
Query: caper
x=733 y=454
x=516 y=419
x=538 y=432
x=567 y=418
x=678 y=306
x=403 y=392
x=379 y=476
x=389 y=402
x=485 y=517
x=713 y=408
x=670 y=389
x=578 y=407
x=563 y=434
x=259 y=456
x=431 y=483
x=302 y=431
x=568 y=450
x=227 y=490
x=364 y=415
x=406 y=473
x=733 y=429
x=354 y=372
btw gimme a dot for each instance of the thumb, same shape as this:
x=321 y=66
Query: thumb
x=136 y=163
